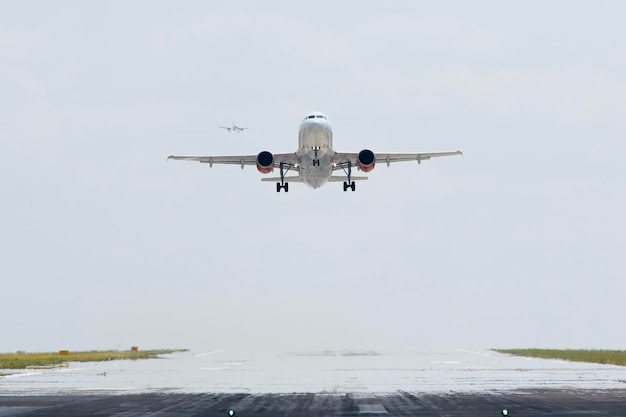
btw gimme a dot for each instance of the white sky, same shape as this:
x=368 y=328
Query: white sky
x=104 y=244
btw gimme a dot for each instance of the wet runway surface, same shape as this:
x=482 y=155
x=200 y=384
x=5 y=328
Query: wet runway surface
x=524 y=403
x=325 y=372
x=324 y=383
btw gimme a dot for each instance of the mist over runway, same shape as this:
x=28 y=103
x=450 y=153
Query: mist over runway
x=325 y=372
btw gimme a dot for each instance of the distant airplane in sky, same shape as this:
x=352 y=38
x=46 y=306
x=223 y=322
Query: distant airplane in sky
x=315 y=160
x=234 y=128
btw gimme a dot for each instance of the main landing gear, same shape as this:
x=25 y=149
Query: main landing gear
x=282 y=184
x=348 y=184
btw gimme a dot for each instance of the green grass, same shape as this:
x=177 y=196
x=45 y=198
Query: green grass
x=23 y=360
x=609 y=357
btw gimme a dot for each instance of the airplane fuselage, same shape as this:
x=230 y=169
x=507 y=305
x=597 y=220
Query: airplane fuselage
x=315 y=150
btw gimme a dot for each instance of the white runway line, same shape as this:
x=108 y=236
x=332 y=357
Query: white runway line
x=473 y=352
x=213 y=352
x=21 y=375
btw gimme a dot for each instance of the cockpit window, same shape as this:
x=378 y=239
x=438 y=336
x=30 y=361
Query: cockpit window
x=315 y=116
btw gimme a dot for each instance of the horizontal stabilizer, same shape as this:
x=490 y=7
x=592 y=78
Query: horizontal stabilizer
x=287 y=179
x=341 y=178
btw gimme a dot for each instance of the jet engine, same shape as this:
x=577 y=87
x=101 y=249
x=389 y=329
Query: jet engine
x=366 y=160
x=265 y=162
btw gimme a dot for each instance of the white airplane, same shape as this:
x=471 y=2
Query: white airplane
x=234 y=128
x=315 y=160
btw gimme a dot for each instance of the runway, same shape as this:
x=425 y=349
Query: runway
x=556 y=403
x=324 y=372
x=457 y=382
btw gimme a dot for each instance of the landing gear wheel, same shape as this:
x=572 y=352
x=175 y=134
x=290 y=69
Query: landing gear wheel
x=284 y=186
x=345 y=186
x=353 y=185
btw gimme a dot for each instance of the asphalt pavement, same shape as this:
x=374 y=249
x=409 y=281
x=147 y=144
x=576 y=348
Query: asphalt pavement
x=557 y=403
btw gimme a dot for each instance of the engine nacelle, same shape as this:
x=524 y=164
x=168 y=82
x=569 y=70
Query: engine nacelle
x=265 y=162
x=366 y=160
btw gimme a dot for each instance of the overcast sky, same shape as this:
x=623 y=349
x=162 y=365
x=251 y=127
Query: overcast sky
x=105 y=244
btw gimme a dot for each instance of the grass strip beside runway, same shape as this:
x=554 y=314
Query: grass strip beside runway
x=607 y=357
x=23 y=360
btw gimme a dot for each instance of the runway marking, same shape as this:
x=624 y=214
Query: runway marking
x=18 y=375
x=473 y=352
x=213 y=352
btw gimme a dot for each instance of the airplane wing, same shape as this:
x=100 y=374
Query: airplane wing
x=241 y=160
x=340 y=158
